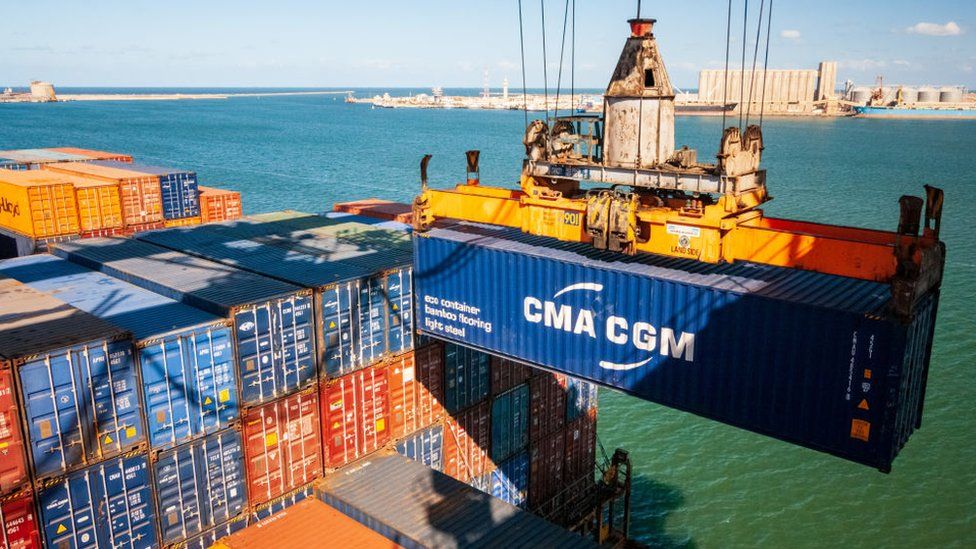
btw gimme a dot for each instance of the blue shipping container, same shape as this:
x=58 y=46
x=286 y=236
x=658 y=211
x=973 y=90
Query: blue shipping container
x=266 y=510
x=510 y=481
x=181 y=195
x=426 y=446
x=186 y=355
x=581 y=397
x=210 y=537
x=809 y=358
x=107 y=505
x=362 y=290
x=272 y=320
x=510 y=422
x=199 y=485
x=467 y=375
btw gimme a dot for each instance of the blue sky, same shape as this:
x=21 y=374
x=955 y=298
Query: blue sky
x=425 y=43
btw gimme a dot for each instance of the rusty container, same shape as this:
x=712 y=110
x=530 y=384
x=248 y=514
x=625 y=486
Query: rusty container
x=506 y=374
x=416 y=385
x=37 y=204
x=467 y=443
x=546 y=461
x=355 y=415
x=547 y=404
x=219 y=205
x=282 y=446
x=580 y=439
x=142 y=199
x=13 y=463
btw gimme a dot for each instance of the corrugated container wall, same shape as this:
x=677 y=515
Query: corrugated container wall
x=13 y=462
x=355 y=415
x=283 y=446
x=272 y=319
x=467 y=443
x=219 y=205
x=207 y=539
x=19 y=522
x=547 y=458
x=547 y=404
x=76 y=378
x=180 y=195
x=581 y=397
x=107 y=505
x=142 y=200
x=580 y=449
x=280 y=503
x=426 y=446
x=510 y=481
x=467 y=376
x=199 y=485
x=364 y=306
x=379 y=209
x=509 y=423
x=37 y=204
x=834 y=373
x=186 y=357
x=506 y=374
x=416 y=381
x=99 y=205
x=394 y=496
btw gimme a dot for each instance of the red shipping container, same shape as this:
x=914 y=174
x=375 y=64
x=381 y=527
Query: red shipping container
x=282 y=445
x=416 y=382
x=219 y=205
x=546 y=460
x=130 y=230
x=142 y=198
x=13 y=463
x=547 y=404
x=380 y=209
x=355 y=415
x=467 y=443
x=580 y=448
x=506 y=374
x=19 y=522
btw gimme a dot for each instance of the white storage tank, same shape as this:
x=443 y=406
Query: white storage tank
x=950 y=95
x=860 y=96
x=909 y=95
x=928 y=95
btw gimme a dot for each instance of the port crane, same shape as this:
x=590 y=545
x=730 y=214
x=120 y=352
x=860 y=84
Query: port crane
x=616 y=180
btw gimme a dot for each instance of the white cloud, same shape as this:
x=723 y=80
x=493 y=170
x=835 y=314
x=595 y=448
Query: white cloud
x=506 y=65
x=967 y=68
x=935 y=29
x=861 y=64
x=790 y=34
x=902 y=63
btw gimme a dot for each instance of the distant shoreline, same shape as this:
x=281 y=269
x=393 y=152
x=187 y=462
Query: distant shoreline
x=182 y=96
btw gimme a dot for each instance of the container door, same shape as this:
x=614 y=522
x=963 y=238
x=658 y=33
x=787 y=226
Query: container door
x=166 y=389
x=337 y=330
x=399 y=298
x=17 y=518
x=293 y=328
x=179 y=493
x=222 y=463
x=371 y=316
x=68 y=512
x=113 y=413
x=125 y=510
x=170 y=190
x=254 y=352
x=53 y=414
x=191 y=194
x=13 y=465
x=215 y=384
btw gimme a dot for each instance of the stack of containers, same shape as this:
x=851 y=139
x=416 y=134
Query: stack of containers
x=140 y=194
x=32 y=159
x=219 y=205
x=363 y=310
x=273 y=343
x=92 y=154
x=77 y=385
x=178 y=189
x=189 y=391
x=467 y=444
x=36 y=208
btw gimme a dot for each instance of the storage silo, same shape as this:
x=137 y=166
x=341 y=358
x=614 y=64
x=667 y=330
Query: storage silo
x=909 y=95
x=950 y=95
x=860 y=96
x=928 y=95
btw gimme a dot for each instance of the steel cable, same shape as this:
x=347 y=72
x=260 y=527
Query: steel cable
x=525 y=93
x=725 y=75
x=755 y=54
x=762 y=101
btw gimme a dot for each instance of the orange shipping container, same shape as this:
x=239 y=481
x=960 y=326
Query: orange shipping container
x=181 y=222
x=99 y=205
x=467 y=442
x=379 y=209
x=94 y=155
x=219 y=205
x=355 y=410
x=37 y=204
x=142 y=199
x=416 y=381
x=282 y=446
x=309 y=524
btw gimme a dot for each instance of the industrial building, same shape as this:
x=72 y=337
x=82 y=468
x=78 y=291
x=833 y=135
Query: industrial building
x=783 y=91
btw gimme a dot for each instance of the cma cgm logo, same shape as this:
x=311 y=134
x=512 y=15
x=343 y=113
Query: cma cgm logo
x=616 y=329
